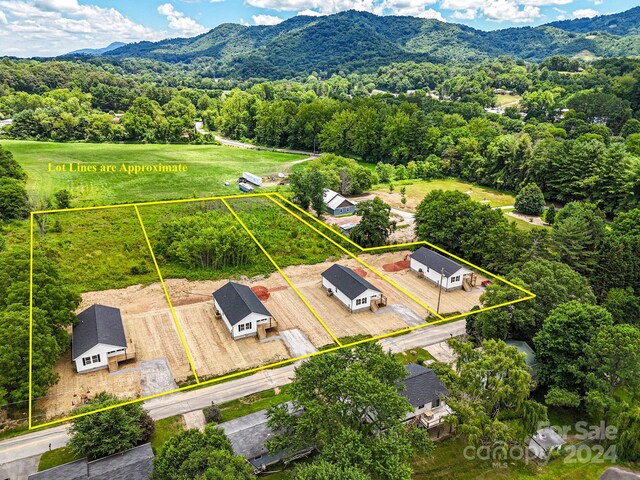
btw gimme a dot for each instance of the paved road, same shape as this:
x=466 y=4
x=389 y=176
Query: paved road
x=37 y=442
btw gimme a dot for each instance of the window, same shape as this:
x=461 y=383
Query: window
x=435 y=403
x=359 y=301
x=420 y=407
x=89 y=360
x=248 y=326
x=241 y=327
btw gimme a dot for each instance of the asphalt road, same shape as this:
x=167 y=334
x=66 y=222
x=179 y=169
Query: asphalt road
x=20 y=450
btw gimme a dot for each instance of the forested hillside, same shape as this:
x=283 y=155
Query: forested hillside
x=362 y=42
x=625 y=23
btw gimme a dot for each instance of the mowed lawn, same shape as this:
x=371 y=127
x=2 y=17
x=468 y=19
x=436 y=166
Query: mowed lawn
x=418 y=189
x=208 y=168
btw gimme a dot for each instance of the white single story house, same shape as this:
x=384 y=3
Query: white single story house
x=241 y=310
x=438 y=268
x=353 y=291
x=337 y=204
x=426 y=394
x=98 y=335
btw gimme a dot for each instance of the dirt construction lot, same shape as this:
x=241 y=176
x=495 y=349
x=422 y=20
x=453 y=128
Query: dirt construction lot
x=400 y=313
x=455 y=301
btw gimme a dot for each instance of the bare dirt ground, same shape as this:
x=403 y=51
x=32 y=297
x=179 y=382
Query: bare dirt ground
x=73 y=388
x=307 y=278
x=533 y=219
x=213 y=350
x=450 y=302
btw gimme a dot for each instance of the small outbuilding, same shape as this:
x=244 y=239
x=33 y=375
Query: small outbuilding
x=353 y=291
x=98 y=340
x=544 y=442
x=242 y=311
x=337 y=204
x=441 y=270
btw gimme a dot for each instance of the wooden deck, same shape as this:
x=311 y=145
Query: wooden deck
x=129 y=354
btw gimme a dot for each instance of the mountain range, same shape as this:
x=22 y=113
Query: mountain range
x=97 y=51
x=362 y=42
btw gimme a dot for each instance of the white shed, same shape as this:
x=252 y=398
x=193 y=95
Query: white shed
x=98 y=336
x=353 y=291
x=438 y=268
x=242 y=311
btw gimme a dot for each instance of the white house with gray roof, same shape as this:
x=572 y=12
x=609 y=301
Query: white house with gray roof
x=426 y=394
x=353 y=291
x=437 y=268
x=242 y=311
x=97 y=337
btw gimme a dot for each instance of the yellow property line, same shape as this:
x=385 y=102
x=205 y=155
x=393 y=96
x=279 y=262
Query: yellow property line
x=315 y=314
x=166 y=294
x=263 y=367
x=359 y=260
x=30 y=316
x=143 y=204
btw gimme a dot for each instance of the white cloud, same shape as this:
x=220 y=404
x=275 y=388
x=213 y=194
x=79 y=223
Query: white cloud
x=179 y=22
x=310 y=13
x=53 y=27
x=598 y=2
x=414 y=8
x=266 y=20
x=468 y=14
x=585 y=13
x=3 y=18
x=319 y=6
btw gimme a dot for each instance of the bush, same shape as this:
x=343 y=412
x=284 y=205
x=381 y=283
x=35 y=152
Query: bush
x=148 y=427
x=530 y=200
x=212 y=414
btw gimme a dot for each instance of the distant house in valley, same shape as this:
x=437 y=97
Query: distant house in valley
x=337 y=204
x=242 y=311
x=98 y=340
x=133 y=464
x=437 y=268
x=353 y=291
x=249 y=435
x=426 y=394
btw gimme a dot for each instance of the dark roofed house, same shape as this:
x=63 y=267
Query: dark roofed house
x=336 y=204
x=545 y=441
x=438 y=268
x=98 y=339
x=134 y=464
x=248 y=436
x=242 y=311
x=426 y=394
x=353 y=291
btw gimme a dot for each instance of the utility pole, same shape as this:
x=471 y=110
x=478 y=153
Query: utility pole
x=440 y=290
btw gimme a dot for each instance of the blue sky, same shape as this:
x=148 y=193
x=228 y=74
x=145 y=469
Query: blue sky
x=53 y=27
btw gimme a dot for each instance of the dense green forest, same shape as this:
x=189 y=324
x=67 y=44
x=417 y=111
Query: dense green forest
x=575 y=134
x=362 y=42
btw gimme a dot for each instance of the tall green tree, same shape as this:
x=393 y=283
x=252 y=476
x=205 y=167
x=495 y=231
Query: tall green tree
x=530 y=200
x=106 y=432
x=491 y=385
x=200 y=455
x=347 y=404
x=376 y=224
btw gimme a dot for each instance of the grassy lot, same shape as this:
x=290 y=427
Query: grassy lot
x=165 y=429
x=208 y=167
x=254 y=403
x=55 y=458
x=507 y=100
x=414 y=356
x=418 y=189
x=448 y=462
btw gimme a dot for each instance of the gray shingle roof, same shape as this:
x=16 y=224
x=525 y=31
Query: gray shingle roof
x=238 y=301
x=422 y=385
x=97 y=324
x=347 y=281
x=134 y=464
x=436 y=262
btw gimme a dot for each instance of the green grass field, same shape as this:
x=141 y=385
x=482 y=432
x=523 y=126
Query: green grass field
x=208 y=167
x=418 y=189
